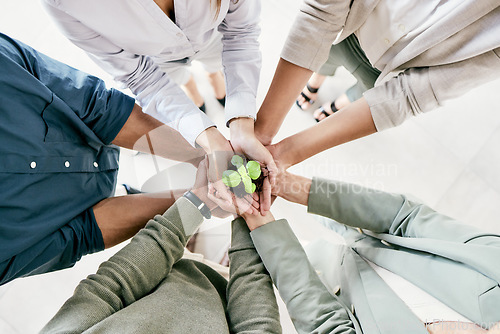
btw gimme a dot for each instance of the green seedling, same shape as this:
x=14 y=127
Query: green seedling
x=243 y=174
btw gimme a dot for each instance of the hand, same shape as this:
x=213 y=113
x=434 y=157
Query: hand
x=256 y=221
x=200 y=188
x=220 y=153
x=244 y=141
x=248 y=204
x=218 y=162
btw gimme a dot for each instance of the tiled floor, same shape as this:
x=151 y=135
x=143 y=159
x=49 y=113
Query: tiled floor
x=447 y=158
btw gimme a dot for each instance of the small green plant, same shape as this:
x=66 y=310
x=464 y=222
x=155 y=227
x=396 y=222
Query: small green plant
x=242 y=174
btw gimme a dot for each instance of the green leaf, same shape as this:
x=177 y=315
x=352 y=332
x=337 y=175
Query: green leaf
x=253 y=169
x=231 y=178
x=249 y=186
x=237 y=161
x=242 y=171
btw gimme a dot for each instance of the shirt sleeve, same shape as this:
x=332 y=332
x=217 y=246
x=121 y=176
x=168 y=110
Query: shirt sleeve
x=383 y=212
x=158 y=95
x=131 y=273
x=252 y=306
x=241 y=57
x=315 y=29
x=312 y=308
x=419 y=90
x=104 y=111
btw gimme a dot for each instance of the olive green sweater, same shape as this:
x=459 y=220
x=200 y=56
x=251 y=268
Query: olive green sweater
x=147 y=288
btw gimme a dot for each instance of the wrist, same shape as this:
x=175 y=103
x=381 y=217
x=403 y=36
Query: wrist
x=198 y=202
x=212 y=140
x=295 y=188
x=201 y=193
x=254 y=222
x=266 y=140
x=285 y=153
x=241 y=128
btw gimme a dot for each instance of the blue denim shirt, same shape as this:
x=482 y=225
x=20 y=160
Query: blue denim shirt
x=56 y=161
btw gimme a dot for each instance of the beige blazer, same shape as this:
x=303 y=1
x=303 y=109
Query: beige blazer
x=458 y=53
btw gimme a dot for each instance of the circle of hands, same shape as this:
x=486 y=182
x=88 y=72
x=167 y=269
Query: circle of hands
x=222 y=200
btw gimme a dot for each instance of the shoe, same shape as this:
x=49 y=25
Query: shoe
x=203 y=108
x=222 y=101
x=307 y=98
x=130 y=190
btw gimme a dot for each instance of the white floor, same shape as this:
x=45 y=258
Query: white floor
x=447 y=158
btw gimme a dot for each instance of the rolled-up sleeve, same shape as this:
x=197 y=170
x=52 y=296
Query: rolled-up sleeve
x=241 y=57
x=159 y=96
x=311 y=306
x=315 y=29
x=419 y=90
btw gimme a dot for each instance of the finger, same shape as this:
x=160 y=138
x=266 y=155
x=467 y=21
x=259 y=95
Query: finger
x=222 y=191
x=265 y=199
x=242 y=205
x=222 y=203
x=256 y=199
x=250 y=199
x=272 y=169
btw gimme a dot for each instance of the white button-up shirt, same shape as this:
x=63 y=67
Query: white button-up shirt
x=394 y=23
x=130 y=39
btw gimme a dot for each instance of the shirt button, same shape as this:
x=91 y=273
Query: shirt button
x=352 y=308
x=96 y=164
x=67 y=164
x=387 y=41
x=402 y=27
x=385 y=243
x=33 y=165
x=336 y=290
x=179 y=34
x=359 y=230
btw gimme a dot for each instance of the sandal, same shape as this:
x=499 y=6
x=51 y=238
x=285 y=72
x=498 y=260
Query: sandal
x=222 y=101
x=323 y=111
x=307 y=98
x=203 y=108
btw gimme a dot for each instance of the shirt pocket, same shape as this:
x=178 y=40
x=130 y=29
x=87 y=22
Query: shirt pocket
x=64 y=126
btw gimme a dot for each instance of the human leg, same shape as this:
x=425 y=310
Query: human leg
x=353 y=58
x=211 y=59
x=310 y=92
x=217 y=81
x=193 y=93
x=179 y=72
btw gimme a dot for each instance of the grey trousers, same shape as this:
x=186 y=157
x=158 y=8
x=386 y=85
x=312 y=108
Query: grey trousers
x=349 y=54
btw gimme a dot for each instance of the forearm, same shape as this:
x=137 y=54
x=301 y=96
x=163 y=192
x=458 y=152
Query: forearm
x=312 y=307
x=293 y=188
x=288 y=81
x=145 y=133
x=211 y=141
x=353 y=122
x=120 y=218
x=252 y=306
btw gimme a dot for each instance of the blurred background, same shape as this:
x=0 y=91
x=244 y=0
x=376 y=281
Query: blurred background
x=449 y=159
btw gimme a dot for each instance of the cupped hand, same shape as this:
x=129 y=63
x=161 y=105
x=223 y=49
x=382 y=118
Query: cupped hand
x=218 y=162
x=244 y=205
x=244 y=141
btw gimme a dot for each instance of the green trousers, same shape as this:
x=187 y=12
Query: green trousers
x=349 y=54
